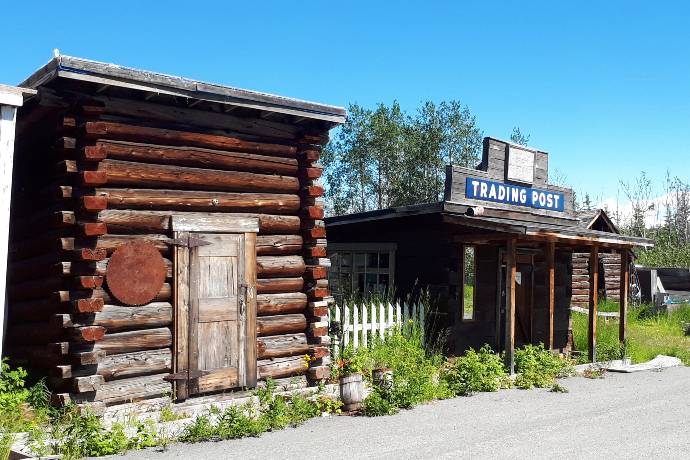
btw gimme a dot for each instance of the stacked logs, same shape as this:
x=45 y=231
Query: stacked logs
x=609 y=270
x=580 y=280
x=119 y=177
x=612 y=274
x=316 y=274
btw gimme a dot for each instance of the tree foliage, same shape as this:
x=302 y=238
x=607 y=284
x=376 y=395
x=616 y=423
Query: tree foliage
x=671 y=214
x=386 y=157
x=518 y=137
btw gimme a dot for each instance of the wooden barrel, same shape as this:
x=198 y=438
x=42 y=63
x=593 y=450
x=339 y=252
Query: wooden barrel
x=352 y=391
x=382 y=378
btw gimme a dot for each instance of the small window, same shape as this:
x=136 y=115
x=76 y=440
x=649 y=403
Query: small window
x=468 y=283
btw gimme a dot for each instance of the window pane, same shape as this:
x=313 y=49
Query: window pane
x=346 y=262
x=383 y=283
x=372 y=260
x=469 y=283
x=359 y=261
x=360 y=282
x=346 y=283
x=371 y=282
x=335 y=263
x=383 y=260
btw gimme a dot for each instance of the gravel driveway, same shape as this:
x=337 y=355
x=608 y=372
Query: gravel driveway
x=641 y=415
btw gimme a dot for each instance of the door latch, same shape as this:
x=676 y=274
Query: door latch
x=244 y=290
x=185 y=375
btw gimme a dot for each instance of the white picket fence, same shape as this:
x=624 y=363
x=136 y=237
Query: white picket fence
x=362 y=322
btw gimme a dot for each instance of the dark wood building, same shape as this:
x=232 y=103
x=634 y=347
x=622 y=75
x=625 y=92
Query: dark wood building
x=496 y=252
x=166 y=235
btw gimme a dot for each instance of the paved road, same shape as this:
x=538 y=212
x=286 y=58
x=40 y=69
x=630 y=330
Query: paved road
x=642 y=415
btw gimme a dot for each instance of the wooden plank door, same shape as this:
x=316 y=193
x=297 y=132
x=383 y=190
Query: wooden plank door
x=217 y=311
x=523 y=305
x=216 y=329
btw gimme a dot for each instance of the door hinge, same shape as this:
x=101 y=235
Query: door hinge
x=185 y=375
x=189 y=242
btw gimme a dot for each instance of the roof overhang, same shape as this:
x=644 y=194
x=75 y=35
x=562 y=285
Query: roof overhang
x=155 y=83
x=14 y=96
x=500 y=225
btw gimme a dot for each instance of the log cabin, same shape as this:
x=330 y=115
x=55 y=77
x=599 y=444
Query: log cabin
x=496 y=254
x=166 y=236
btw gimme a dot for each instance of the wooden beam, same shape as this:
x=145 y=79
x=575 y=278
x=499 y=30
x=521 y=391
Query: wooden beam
x=191 y=156
x=510 y=306
x=10 y=99
x=623 y=293
x=133 y=174
x=550 y=268
x=180 y=362
x=593 y=300
x=120 y=131
x=461 y=282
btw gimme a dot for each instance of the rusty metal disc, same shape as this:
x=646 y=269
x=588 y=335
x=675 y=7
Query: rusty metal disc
x=135 y=273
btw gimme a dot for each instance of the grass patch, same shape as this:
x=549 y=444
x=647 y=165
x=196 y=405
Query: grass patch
x=649 y=334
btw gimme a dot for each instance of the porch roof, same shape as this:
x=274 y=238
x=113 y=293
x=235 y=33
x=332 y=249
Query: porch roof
x=501 y=225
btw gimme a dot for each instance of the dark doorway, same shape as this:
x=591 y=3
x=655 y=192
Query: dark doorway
x=524 y=302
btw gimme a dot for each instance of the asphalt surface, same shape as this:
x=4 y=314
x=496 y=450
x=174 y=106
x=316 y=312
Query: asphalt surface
x=641 y=415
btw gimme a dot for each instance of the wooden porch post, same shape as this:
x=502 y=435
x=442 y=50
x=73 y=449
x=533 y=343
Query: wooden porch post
x=593 y=300
x=460 y=316
x=550 y=267
x=623 y=300
x=510 y=306
x=10 y=98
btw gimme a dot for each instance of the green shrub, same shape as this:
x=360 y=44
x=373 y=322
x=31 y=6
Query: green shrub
x=302 y=409
x=274 y=412
x=22 y=409
x=146 y=435
x=13 y=392
x=201 y=429
x=537 y=367
x=351 y=361
x=476 y=371
x=378 y=404
x=242 y=421
x=328 y=405
x=416 y=369
x=83 y=435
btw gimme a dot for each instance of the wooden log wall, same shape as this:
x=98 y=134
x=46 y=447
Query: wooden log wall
x=114 y=171
x=609 y=270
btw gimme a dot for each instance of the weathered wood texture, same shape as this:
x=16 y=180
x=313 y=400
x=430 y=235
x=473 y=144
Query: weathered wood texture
x=115 y=171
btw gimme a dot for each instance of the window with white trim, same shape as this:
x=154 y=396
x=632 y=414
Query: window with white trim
x=361 y=268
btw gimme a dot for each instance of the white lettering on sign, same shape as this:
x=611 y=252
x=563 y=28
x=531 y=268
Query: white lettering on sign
x=482 y=189
x=520 y=165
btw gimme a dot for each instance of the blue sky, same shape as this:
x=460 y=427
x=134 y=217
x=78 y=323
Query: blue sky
x=603 y=86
